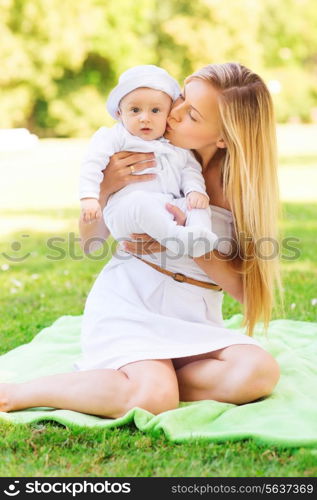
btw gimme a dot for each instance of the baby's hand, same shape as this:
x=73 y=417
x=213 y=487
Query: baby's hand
x=90 y=210
x=197 y=200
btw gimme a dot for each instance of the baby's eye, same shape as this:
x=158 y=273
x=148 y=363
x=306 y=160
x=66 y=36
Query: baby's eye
x=181 y=97
x=192 y=118
x=155 y=110
x=135 y=110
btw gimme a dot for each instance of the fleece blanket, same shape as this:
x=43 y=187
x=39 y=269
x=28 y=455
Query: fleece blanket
x=287 y=418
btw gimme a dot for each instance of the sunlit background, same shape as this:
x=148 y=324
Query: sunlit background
x=59 y=60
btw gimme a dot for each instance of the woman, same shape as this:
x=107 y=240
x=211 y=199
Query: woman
x=226 y=117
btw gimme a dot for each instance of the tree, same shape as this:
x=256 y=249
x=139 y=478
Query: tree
x=60 y=59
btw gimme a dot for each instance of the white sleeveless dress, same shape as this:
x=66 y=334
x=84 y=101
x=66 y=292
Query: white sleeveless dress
x=134 y=312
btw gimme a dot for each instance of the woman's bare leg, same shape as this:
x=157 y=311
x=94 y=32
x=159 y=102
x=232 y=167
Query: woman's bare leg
x=237 y=374
x=107 y=393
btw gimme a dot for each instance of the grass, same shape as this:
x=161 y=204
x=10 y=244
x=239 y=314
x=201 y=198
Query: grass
x=39 y=289
x=52 y=450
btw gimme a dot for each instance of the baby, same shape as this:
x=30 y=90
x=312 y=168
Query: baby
x=141 y=103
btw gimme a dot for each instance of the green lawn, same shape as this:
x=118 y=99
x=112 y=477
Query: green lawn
x=39 y=289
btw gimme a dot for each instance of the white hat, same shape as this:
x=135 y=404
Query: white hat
x=148 y=76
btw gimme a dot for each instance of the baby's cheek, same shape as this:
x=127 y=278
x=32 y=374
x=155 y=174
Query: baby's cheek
x=161 y=126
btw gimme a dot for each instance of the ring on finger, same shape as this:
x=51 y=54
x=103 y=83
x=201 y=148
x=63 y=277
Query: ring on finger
x=132 y=169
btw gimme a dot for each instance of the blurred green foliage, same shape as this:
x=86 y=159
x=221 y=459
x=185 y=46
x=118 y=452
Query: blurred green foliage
x=59 y=59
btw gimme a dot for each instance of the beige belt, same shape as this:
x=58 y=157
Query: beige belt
x=181 y=278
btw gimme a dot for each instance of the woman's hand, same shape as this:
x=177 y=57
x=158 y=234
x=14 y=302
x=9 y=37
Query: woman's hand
x=144 y=244
x=178 y=214
x=120 y=170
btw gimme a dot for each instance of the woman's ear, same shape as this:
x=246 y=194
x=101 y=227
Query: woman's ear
x=221 y=144
x=118 y=114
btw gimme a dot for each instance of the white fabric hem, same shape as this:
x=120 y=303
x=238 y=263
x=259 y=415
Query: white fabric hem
x=149 y=356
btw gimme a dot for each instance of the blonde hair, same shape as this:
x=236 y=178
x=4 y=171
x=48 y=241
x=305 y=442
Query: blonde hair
x=250 y=182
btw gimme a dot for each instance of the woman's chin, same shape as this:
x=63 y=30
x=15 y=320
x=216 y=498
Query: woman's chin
x=168 y=134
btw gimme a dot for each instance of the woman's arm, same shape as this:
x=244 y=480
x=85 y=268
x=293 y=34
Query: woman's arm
x=224 y=271
x=116 y=176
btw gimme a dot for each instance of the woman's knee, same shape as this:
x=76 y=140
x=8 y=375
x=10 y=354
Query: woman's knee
x=260 y=372
x=270 y=374
x=156 y=390
x=156 y=401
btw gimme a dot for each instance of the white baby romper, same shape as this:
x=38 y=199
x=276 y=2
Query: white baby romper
x=140 y=207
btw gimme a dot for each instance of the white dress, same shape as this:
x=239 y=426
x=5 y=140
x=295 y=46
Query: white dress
x=134 y=312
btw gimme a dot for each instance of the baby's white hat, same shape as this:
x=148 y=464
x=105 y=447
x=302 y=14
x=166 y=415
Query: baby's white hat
x=149 y=76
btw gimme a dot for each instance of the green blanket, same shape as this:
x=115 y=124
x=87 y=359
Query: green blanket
x=287 y=418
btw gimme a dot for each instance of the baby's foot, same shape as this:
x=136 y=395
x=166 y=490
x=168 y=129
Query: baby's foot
x=7 y=397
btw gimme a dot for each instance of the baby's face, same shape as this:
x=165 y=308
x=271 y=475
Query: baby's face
x=144 y=111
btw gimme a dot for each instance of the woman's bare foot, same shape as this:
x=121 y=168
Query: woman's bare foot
x=7 y=392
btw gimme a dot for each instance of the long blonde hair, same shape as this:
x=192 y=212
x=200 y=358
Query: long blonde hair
x=250 y=182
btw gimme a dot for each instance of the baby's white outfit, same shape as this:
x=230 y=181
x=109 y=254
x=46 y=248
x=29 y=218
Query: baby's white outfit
x=140 y=207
